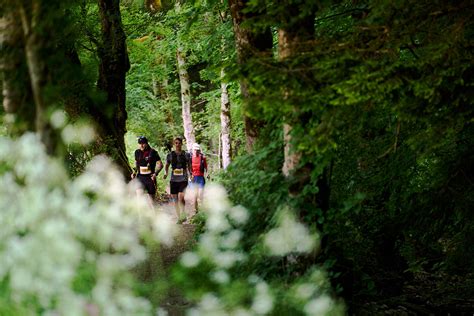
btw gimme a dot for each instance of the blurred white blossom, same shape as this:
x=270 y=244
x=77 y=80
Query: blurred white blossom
x=239 y=214
x=51 y=226
x=189 y=259
x=319 y=306
x=58 y=119
x=263 y=300
x=216 y=200
x=220 y=246
x=305 y=291
x=80 y=133
x=289 y=236
x=220 y=276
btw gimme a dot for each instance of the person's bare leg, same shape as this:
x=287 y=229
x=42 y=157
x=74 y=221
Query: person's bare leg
x=181 y=204
x=150 y=198
x=174 y=197
x=199 y=197
x=193 y=192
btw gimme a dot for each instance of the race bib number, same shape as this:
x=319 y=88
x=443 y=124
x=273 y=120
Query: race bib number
x=178 y=172
x=145 y=170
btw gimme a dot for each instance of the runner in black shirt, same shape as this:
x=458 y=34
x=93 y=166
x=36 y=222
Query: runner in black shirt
x=146 y=161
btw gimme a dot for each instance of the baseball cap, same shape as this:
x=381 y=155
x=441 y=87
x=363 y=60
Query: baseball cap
x=142 y=140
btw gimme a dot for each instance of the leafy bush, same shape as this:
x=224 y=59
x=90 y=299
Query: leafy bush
x=67 y=246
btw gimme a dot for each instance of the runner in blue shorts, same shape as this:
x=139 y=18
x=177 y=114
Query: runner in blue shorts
x=199 y=169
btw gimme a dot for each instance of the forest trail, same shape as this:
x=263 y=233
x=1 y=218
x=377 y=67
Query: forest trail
x=174 y=302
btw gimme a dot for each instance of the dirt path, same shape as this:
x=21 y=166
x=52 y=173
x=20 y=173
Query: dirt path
x=174 y=302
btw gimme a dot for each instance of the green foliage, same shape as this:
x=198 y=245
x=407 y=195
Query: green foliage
x=381 y=109
x=153 y=91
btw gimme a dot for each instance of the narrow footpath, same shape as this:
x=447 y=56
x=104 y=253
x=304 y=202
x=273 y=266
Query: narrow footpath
x=174 y=302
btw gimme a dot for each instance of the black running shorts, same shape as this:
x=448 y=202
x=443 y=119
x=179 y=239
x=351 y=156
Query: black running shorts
x=176 y=187
x=147 y=183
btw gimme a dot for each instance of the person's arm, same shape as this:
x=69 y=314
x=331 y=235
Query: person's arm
x=190 y=165
x=205 y=166
x=167 y=166
x=159 y=166
x=133 y=175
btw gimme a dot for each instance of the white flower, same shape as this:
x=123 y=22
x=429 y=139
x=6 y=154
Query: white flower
x=319 y=306
x=290 y=236
x=50 y=225
x=210 y=302
x=305 y=291
x=189 y=259
x=232 y=239
x=164 y=228
x=239 y=214
x=226 y=259
x=58 y=119
x=216 y=199
x=208 y=244
x=263 y=300
x=220 y=276
x=82 y=134
x=217 y=223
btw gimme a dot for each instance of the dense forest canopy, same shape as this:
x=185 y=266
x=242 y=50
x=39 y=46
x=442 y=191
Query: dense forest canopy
x=344 y=126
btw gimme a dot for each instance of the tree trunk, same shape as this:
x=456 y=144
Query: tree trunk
x=16 y=88
x=114 y=64
x=185 y=100
x=225 y=125
x=30 y=17
x=294 y=39
x=292 y=157
x=249 y=44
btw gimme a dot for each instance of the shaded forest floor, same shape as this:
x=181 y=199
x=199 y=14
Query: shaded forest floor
x=425 y=294
x=173 y=301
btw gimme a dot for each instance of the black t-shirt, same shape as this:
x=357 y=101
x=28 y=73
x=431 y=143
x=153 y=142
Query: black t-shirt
x=179 y=166
x=145 y=161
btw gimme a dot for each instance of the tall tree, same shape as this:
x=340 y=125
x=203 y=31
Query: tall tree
x=226 y=148
x=32 y=47
x=295 y=37
x=114 y=64
x=185 y=99
x=16 y=90
x=250 y=44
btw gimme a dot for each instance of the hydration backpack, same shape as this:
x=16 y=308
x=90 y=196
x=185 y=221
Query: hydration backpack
x=181 y=158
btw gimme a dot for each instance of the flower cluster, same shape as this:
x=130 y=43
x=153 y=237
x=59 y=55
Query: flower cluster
x=218 y=252
x=66 y=245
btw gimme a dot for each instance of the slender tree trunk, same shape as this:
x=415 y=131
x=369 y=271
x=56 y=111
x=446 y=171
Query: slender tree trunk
x=114 y=64
x=250 y=44
x=219 y=150
x=16 y=89
x=34 y=15
x=30 y=17
x=294 y=39
x=292 y=158
x=185 y=99
x=225 y=124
